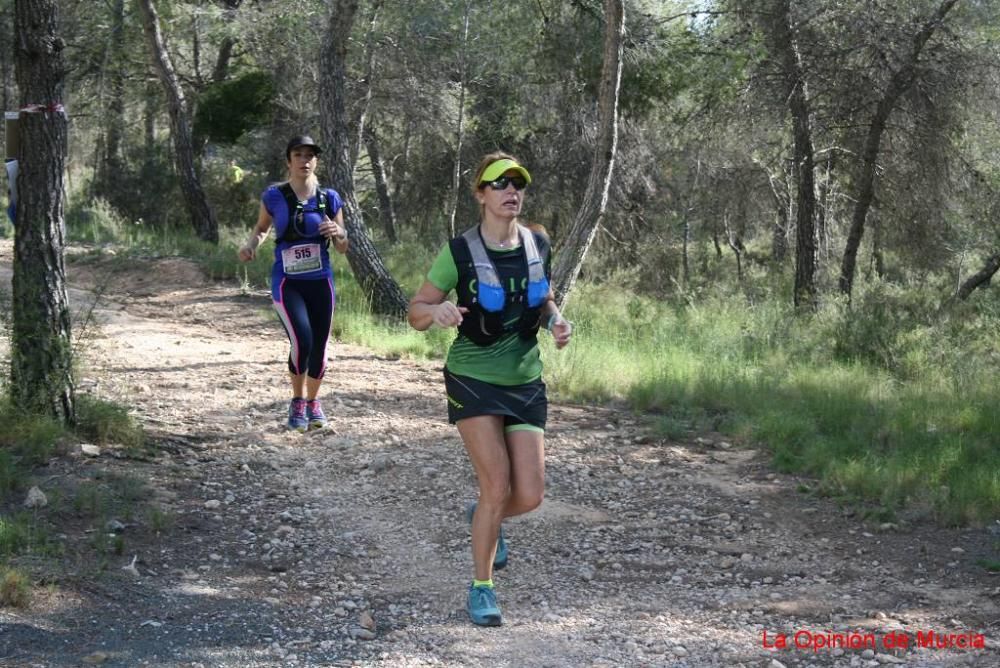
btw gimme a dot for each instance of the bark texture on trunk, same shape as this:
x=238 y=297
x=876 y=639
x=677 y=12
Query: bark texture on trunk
x=588 y=218
x=41 y=354
x=370 y=271
x=387 y=212
x=784 y=43
x=900 y=82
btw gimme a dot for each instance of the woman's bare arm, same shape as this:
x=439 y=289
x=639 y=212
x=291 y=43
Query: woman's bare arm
x=428 y=307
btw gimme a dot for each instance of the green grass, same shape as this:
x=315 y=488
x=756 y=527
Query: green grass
x=25 y=532
x=159 y=520
x=108 y=495
x=10 y=473
x=97 y=224
x=16 y=534
x=103 y=423
x=27 y=441
x=991 y=565
x=924 y=435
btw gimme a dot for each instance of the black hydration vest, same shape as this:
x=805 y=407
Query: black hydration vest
x=297 y=211
x=490 y=305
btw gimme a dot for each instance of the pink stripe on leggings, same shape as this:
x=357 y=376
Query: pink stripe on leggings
x=279 y=306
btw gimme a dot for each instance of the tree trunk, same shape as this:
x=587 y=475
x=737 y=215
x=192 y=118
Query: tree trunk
x=456 y=172
x=221 y=70
x=385 y=209
x=41 y=356
x=735 y=244
x=588 y=217
x=900 y=82
x=878 y=257
x=779 y=231
x=686 y=250
x=6 y=53
x=369 y=83
x=779 y=237
x=981 y=278
x=196 y=51
x=386 y=296
x=783 y=40
x=824 y=196
x=202 y=216
x=150 y=109
x=111 y=164
x=401 y=163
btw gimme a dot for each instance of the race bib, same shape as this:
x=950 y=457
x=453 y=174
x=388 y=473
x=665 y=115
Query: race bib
x=301 y=259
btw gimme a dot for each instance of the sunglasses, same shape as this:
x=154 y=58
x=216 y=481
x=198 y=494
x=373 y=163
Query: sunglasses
x=501 y=182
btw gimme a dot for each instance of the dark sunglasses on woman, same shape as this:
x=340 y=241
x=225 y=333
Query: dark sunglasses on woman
x=501 y=182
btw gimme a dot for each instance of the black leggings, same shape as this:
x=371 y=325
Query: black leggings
x=306 y=311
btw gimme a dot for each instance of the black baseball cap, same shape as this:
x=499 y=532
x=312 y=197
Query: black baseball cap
x=301 y=140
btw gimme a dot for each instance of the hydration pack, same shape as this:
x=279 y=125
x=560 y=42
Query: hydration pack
x=485 y=322
x=297 y=211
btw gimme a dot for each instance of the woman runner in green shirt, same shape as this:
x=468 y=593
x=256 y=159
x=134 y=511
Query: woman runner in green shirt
x=499 y=270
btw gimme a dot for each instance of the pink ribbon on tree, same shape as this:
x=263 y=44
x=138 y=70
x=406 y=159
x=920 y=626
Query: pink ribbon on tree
x=50 y=108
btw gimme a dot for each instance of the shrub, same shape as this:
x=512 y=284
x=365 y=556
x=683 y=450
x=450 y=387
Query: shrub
x=15 y=590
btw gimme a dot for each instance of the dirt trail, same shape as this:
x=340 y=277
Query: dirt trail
x=348 y=547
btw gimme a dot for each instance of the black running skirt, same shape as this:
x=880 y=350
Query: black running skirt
x=519 y=404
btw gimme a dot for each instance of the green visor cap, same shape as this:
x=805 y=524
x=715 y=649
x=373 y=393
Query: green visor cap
x=496 y=169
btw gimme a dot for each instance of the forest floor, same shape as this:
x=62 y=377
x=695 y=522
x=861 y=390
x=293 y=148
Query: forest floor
x=348 y=546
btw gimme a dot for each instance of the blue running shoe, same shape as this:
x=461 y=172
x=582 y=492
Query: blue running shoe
x=500 y=558
x=482 y=606
x=297 y=415
x=314 y=415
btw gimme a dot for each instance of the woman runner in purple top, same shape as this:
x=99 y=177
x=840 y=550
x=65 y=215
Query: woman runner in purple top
x=306 y=219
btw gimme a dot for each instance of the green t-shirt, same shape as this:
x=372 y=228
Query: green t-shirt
x=511 y=360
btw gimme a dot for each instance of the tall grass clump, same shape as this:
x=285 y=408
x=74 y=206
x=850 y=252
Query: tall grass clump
x=25 y=441
x=15 y=588
x=16 y=535
x=102 y=422
x=96 y=222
